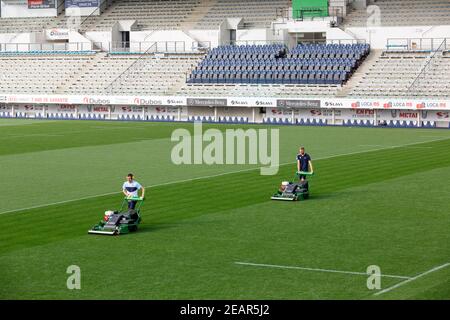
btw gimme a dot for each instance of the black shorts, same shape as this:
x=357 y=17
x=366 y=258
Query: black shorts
x=302 y=176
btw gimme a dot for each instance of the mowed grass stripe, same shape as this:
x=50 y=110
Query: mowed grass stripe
x=57 y=135
x=175 y=202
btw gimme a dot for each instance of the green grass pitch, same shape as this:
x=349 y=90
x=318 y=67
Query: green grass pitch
x=380 y=197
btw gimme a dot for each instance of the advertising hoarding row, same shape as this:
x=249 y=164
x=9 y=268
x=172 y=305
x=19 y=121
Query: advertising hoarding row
x=323 y=103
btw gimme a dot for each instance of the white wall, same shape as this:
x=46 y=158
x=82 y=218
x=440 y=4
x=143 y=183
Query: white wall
x=377 y=37
x=80 y=42
x=104 y=38
x=177 y=37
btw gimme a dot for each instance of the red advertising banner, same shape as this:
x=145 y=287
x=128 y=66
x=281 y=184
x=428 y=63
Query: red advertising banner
x=41 y=4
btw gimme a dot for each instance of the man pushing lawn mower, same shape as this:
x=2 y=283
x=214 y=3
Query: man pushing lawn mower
x=121 y=222
x=293 y=191
x=130 y=189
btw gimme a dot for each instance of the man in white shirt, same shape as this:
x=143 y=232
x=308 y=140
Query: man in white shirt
x=131 y=188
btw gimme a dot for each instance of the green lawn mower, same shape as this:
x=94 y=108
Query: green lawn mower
x=294 y=191
x=120 y=222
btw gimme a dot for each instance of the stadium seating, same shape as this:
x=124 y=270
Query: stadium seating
x=404 y=13
x=149 y=14
x=271 y=64
x=393 y=74
x=256 y=13
x=130 y=74
x=39 y=74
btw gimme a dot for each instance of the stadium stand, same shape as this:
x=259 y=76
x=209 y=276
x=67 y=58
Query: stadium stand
x=118 y=73
x=394 y=72
x=436 y=82
x=39 y=74
x=256 y=13
x=149 y=14
x=273 y=70
x=317 y=64
x=404 y=13
x=16 y=25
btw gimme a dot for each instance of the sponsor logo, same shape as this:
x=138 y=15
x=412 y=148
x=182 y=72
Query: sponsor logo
x=3 y=99
x=207 y=102
x=101 y=109
x=66 y=107
x=239 y=102
x=147 y=102
x=173 y=101
x=276 y=111
x=333 y=104
x=421 y=105
x=364 y=112
x=298 y=103
x=88 y=100
x=59 y=33
x=408 y=115
x=387 y=105
x=261 y=103
x=355 y=104
x=443 y=114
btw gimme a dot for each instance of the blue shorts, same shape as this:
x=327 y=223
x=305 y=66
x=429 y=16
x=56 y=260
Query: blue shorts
x=132 y=204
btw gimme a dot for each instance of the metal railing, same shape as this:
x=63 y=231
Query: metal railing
x=103 y=4
x=45 y=47
x=254 y=42
x=149 y=47
x=111 y=47
x=428 y=66
x=293 y=42
x=109 y=89
x=415 y=44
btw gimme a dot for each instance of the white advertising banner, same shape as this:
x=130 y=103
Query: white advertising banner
x=324 y=114
x=289 y=104
x=280 y=113
x=252 y=102
x=57 y=34
x=360 y=114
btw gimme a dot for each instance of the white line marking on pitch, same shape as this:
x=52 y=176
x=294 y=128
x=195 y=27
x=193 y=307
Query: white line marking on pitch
x=318 y=270
x=412 y=279
x=214 y=176
x=404 y=146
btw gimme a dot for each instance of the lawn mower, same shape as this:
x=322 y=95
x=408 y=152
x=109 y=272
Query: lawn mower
x=120 y=222
x=294 y=191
